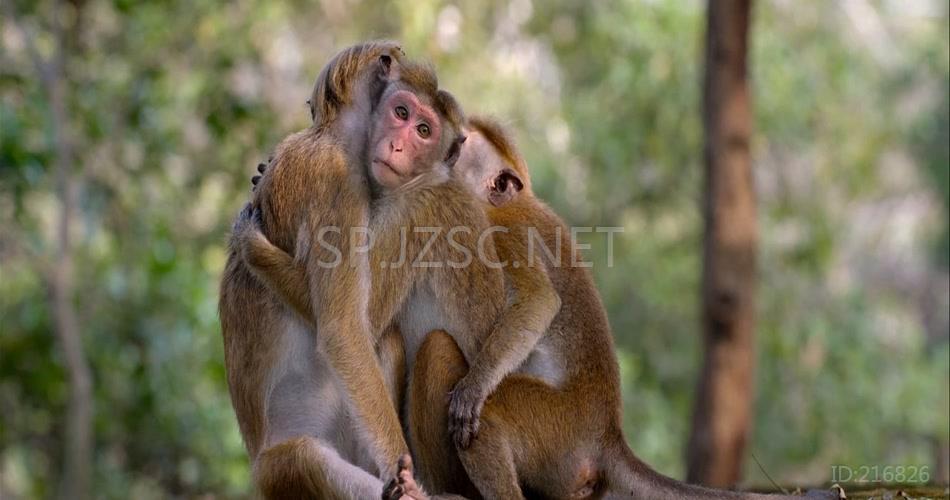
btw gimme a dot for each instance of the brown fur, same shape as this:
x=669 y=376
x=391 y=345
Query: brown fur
x=555 y=442
x=475 y=294
x=334 y=89
x=432 y=199
x=313 y=182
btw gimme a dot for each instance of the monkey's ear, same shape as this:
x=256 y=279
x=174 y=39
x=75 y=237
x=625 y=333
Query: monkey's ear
x=504 y=187
x=387 y=70
x=455 y=150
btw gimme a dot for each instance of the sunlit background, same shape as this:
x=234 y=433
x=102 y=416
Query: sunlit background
x=170 y=105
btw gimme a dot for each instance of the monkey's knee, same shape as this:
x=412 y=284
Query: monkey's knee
x=440 y=358
x=291 y=469
x=438 y=366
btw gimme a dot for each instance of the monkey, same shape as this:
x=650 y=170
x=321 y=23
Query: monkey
x=313 y=405
x=552 y=429
x=401 y=131
x=568 y=442
x=461 y=300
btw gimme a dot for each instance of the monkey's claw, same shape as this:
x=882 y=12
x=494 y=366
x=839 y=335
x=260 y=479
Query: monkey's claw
x=465 y=408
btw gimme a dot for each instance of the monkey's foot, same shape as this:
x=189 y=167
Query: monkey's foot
x=404 y=486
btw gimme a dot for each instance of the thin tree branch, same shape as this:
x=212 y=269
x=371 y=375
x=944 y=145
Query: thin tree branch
x=78 y=448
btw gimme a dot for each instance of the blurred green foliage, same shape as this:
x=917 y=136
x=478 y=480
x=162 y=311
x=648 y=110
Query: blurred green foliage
x=173 y=103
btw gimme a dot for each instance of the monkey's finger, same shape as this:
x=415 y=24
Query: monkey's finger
x=464 y=438
x=262 y=166
x=476 y=425
x=456 y=431
x=396 y=493
x=255 y=179
x=458 y=406
x=404 y=463
x=453 y=431
x=460 y=433
x=257 y=217
x=246 y=211
x=392 y=490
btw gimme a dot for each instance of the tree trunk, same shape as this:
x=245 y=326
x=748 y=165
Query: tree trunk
x=77 y=451
x=721 y=415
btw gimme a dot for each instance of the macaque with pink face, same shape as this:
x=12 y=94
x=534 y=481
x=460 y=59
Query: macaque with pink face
x=406 y=137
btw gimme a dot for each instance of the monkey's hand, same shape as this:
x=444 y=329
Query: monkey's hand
x=261 y=167
x=465 y=407
x=246 y=229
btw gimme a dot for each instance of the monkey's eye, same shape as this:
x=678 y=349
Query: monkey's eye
x=423 y=130
x=402 y=112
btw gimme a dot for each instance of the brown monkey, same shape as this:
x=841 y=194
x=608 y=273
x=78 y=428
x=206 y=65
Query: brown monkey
x=309 y=397
x=552 y=415
x=451 y=289
x=553 y=429
x=407 y=126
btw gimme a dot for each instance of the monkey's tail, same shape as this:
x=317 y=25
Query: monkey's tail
x=626 y=476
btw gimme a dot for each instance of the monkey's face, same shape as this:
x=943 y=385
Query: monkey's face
x=405 y=139
x=485 y=171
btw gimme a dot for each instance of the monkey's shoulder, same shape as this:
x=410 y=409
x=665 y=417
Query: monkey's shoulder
x=524 y=214
x=446 y=204
x=535 y=235
x=308 y=153
x=431 y=201
x=308 y=178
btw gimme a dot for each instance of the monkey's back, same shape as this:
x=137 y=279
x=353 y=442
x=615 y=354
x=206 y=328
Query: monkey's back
x=306 y=182
x=580 y=331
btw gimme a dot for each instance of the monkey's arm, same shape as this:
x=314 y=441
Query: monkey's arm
x=273 y=266
x=288 y=279
x=533 y=305
x=341 y=275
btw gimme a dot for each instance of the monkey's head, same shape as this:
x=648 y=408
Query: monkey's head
x=415 y=128
x=358 y=71
x=489 y=163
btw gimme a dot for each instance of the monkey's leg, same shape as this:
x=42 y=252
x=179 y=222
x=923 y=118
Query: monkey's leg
x=392 y=359
x=439 y=364
x=490 y=463
x=532 y=435
x=306 y=467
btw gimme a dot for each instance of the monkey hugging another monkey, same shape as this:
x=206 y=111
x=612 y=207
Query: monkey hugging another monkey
x=394 y=289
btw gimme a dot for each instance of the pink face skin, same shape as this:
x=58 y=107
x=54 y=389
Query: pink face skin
x=405 y=138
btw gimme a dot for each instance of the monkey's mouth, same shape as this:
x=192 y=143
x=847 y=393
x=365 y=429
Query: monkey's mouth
x=388 y=166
